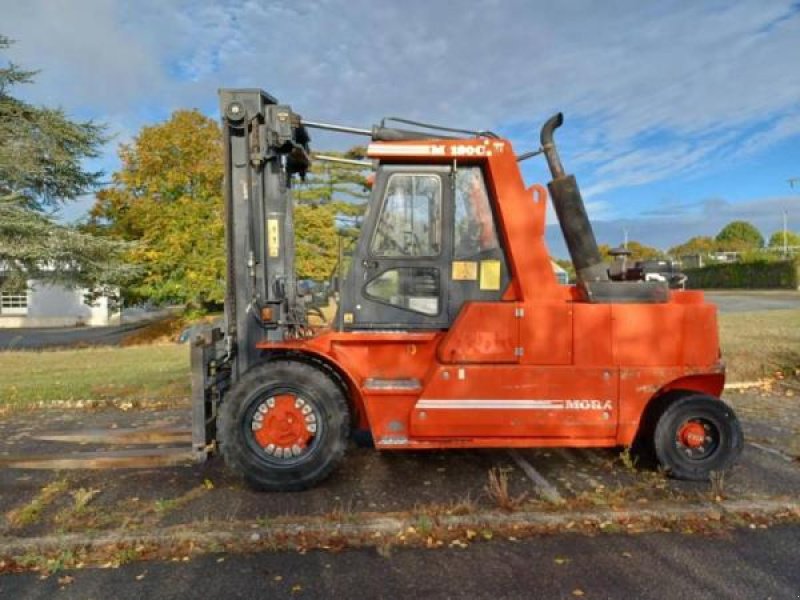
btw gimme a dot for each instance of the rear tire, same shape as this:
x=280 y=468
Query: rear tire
x=696 y=435
x=245 y=454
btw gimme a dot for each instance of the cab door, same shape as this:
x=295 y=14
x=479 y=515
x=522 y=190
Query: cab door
x=479 y=270
x=398 y=278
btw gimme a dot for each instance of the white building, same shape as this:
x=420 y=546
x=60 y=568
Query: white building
x=561 y=275
x=46 y=305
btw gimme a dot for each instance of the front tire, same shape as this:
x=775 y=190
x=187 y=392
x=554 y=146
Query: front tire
x=284 y=426
x=697 y=435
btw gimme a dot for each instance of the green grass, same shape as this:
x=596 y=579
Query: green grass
x=757 y=344
x=132 y=373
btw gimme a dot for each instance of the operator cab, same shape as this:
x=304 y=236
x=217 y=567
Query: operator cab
x=429 y=243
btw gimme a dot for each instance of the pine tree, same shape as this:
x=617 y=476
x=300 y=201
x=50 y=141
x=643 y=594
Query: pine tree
x=41 y=167
x=329 y=205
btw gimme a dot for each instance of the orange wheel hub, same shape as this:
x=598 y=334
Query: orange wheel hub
x=692 y=434
x=284 y=425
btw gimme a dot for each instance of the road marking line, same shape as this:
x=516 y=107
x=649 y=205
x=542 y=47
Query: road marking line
x=778 y=453
x=591 y=456
x=569 y=455
x=544 y=488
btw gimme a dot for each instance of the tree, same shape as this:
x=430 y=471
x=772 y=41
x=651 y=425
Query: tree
x=638 y=251
x=641 y=251
x=739 y=236
x=41 y=167
x=702 y=245
x=776 y=239
x=167 y=197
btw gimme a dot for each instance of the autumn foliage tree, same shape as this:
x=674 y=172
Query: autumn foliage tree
x=167 y=197
x=702 y=245
x=777 y=238
x=739 y=236
x=638 y=251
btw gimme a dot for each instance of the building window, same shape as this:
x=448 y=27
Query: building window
x=14 y=302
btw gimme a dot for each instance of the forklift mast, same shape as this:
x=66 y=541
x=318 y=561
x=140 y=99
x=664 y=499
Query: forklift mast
x=265 y=144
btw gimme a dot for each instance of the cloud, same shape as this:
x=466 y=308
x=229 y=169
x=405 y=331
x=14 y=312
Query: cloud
x=650 y=90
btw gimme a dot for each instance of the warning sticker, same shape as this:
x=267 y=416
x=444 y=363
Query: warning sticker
x=490 y=275
x=273 y=239
x=465 y=270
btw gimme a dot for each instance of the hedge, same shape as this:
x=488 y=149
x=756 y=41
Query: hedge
x=757 y=274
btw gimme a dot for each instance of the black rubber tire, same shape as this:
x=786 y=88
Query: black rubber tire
x=713 y=411
x=267 y=380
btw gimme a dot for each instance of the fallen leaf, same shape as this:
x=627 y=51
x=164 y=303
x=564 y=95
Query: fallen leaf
x=278 y=578
x=627 y=554
x=65 y=580
x=577 y=592
x=560 y=560
x=140 y=576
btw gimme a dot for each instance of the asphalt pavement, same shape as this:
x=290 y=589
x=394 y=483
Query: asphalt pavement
x=749 y=301
x=746 y=563
x=37 y=338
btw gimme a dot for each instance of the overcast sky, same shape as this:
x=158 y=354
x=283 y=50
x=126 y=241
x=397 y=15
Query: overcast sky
x=680 y=116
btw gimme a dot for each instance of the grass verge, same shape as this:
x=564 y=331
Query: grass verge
x=760 y=344
x=96 y=374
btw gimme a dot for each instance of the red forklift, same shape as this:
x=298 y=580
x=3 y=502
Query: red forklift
x=451 y=329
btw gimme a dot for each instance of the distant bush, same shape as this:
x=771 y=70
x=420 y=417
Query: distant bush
x=755 y=274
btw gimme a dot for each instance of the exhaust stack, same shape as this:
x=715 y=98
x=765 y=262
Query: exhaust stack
x=572 y=217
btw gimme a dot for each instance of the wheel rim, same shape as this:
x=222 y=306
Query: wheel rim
x=282 y=428
x=697 y=438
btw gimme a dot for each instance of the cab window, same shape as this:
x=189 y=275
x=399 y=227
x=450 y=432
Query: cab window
x=474 y=226
x=410 y=222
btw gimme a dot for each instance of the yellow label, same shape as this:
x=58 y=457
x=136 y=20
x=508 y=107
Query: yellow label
x=465 y=270
x=348 y=317
x=273 y=238
x=490 y=275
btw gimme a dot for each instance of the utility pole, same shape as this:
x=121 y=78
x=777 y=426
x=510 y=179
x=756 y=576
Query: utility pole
x=792 y=181
x=785 y=236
